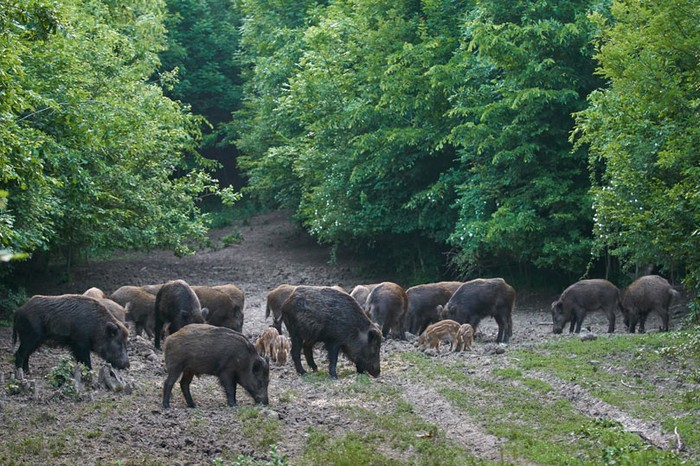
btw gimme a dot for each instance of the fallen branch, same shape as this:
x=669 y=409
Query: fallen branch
x=630 y=386
x=679 y=443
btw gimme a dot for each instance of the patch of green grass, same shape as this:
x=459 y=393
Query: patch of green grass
x=276 y=459
x=651 y=376
x=262 y=430
x=537 y=423
x=350 y=450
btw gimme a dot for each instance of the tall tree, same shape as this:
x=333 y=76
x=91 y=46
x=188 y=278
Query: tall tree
x=522 y=191
x=90 y=146
x=644 y=136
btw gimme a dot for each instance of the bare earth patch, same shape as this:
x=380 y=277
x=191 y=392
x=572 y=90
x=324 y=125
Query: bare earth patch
x=132 y=428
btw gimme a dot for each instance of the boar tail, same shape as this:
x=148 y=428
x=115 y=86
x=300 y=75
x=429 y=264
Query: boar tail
x=267 y=311
x=14 y=336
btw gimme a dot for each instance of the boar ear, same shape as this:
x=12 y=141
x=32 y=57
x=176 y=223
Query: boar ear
x=112 y=330
x=205 y=313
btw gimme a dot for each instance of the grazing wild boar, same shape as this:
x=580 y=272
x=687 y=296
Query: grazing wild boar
x=423 y=302
x=361 y=293
x=222 y=311
x=282 y=350
x=177 y=305
x=235 y=293
x=198 y=349
x=140 y=306
x=79 y=322
x=386 y=306
x=581 y=298
x=331 y=317
x=275 y=299
x=481 y=298
x=465 y=337
x=452 y=286
x=266 y=343
x=115 y=308
x=646 y=294
x=445 y=330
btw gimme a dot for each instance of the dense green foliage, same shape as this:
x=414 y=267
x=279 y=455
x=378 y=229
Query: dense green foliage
x=89 y=145
x=517 y=138
x=644 y=136
x=202 y=46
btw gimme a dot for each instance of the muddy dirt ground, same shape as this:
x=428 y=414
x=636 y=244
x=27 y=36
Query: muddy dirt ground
x=42 y=427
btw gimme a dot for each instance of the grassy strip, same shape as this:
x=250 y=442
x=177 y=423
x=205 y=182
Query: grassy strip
x=654 y=377
x=537 y=424
x=398 y=435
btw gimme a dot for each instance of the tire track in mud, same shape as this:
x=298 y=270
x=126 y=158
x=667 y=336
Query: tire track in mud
x=650 y=432
x=435 y=409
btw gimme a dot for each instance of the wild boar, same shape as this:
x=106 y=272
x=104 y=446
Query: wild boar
x=221 y=310
x=452 y=286
x=198 y=349
x=78 y=322
x=95 y=292
x=177 y=305
x=361 y=293
x=465 y=337
x=423 y=302
x=437 y=333
x=581 y=298
x=275 y=299
x=140 y=306
x=480 y=298
x=266 y=343
x=115 y=308
x=332 y=317
x=282 y=350
x=386 y=306
x=236 y=295
x=646 y=294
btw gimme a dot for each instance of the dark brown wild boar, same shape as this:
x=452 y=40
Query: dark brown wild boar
x=386 y=306
x=646 y=294
x=140 y=306
x=423 y=302
x=221 y=310
x=177 y=305
x=452 y=286
x=325 y=315
x=275 y=299
x=481 y=298
x=79 y=322
x=198 y=349
x=581 y=298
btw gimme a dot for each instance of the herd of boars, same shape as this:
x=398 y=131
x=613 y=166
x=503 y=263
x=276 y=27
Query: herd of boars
x=202 y=324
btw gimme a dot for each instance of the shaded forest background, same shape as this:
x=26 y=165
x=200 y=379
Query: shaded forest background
x=542 y=141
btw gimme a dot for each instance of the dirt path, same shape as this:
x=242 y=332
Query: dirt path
x=273 y=251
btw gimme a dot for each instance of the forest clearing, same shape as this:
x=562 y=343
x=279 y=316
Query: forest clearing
x=542 y=399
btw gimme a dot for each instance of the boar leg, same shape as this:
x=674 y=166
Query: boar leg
x=611 y=320
x=82 y=355
x=664 y=320
x=502 y=333
x=168 y=386
x=309 y=355
x=572 y=325
x=333 y=351
x=185 y=381
x=642 y=321
x=296 y=354
x=229 y=383
x=632 y=323
x=28 y=343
